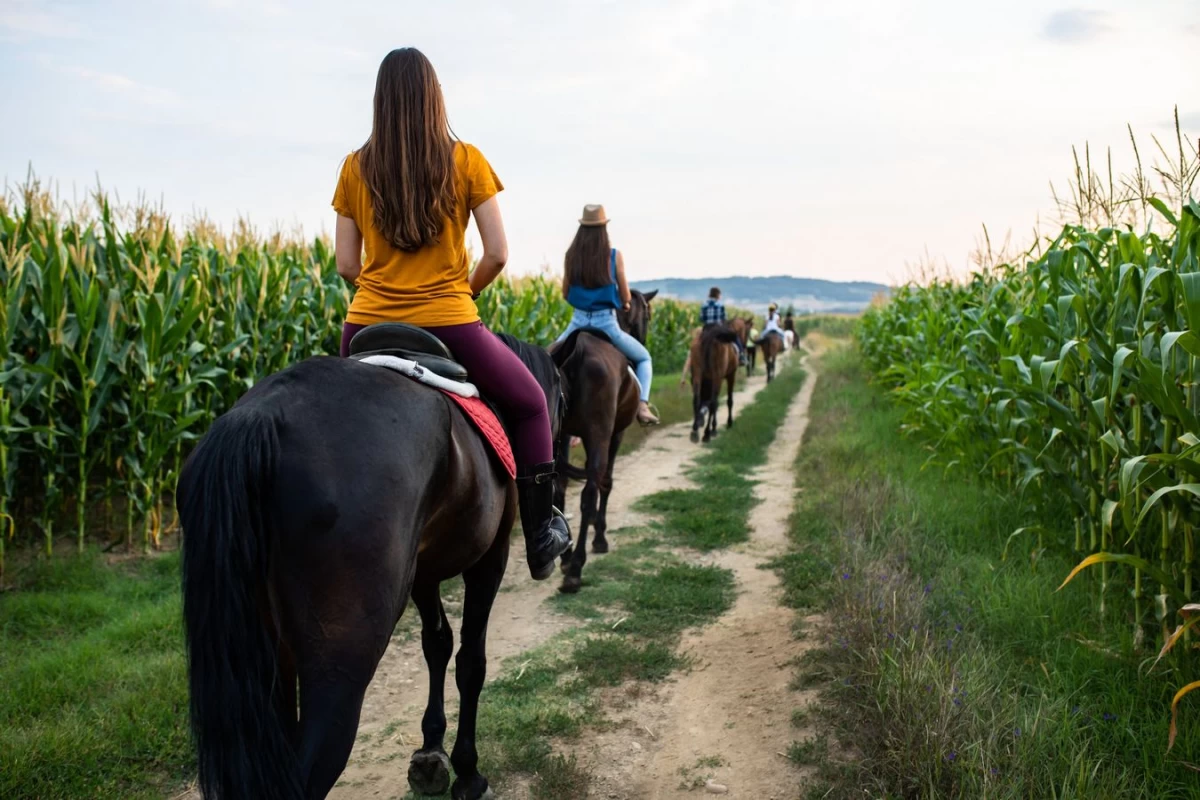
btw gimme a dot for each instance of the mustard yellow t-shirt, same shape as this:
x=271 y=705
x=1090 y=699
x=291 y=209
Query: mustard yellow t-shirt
x=428 y=288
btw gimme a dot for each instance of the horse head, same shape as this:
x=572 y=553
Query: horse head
x=636 y=321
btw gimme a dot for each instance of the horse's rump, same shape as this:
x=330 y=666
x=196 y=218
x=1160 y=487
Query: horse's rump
x=714 y=352
x=304 y=509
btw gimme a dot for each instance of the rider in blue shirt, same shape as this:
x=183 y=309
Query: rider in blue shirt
x=713 y=313
x=595 y=286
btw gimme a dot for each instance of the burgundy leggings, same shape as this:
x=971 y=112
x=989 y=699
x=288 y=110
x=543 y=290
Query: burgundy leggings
x=502 y=378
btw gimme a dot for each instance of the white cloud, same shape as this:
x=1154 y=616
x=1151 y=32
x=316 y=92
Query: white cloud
x=1074 y=25
x=27 y=19
x=267 y=8
x=120 y=84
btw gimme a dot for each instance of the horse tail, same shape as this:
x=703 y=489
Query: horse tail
x=241 y=741
x=573 y=472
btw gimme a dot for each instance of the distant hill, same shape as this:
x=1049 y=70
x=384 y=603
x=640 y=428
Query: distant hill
x=806 y=295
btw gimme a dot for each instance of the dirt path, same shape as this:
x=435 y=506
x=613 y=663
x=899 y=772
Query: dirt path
x=728 y=720
x=390 y=728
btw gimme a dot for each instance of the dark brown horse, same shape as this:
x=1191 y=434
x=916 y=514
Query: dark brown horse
x=714 y=360
x=602 y=401
x=771 y=345
x=330 y=494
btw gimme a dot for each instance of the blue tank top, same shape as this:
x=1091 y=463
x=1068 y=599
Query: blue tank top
x=600 y=298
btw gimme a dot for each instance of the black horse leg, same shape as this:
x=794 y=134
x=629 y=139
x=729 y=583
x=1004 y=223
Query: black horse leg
x=596 y=444
x=429 y=768
x=710 y=428
x=600 y=542
x=482 y=581
x=729 y=400
x=560 y=484
x=697 y=415
x=563 y=459
x=332 y=687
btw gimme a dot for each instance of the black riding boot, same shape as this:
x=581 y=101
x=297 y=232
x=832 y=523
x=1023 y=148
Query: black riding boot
x=547 y=535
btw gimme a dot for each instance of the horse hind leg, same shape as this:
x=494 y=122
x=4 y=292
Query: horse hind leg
x=332 y=686
x=560 y=486
x=429 y=767
x=699 y=412
x=482 y=582
x=589 y=501
x=600 y=541
x=729 y=398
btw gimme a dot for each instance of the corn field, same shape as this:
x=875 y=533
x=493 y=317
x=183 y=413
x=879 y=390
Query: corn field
x=121 y=339
x=1071 y=379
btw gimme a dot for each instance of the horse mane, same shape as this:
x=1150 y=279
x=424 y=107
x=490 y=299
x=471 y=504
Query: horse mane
x=545 y=372
x=562 y=354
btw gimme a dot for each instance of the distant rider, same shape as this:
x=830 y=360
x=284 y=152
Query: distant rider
x=712 y=312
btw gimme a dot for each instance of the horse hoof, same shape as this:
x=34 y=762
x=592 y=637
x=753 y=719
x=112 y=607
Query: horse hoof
x=695 y=437
x=429 y=772
x=600 y=546
x=571 y=585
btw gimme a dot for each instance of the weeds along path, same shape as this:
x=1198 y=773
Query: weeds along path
x=390 y=728
x=728 y=720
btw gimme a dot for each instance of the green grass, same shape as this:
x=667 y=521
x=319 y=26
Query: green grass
x=93 y=694
x=716 y=513
x=948 y=672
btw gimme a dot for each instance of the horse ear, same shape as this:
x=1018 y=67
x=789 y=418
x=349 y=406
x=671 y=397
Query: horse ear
x=650 y=295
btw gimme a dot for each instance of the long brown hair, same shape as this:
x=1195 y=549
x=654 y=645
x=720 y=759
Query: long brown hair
x=586 y=264
x=408 y=162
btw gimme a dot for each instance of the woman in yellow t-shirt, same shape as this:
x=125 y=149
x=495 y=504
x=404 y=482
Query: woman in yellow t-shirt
x=404 y=200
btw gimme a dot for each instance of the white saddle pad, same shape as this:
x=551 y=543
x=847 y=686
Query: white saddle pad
x=415 y=371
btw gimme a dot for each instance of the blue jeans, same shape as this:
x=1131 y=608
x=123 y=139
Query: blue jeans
x=606 y=322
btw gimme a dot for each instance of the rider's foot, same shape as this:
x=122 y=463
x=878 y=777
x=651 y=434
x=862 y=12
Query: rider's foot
x=644 y=415
x=547 y=534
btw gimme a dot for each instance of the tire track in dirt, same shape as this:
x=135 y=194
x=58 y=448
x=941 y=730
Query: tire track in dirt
x=728 y=719
x=390 y=726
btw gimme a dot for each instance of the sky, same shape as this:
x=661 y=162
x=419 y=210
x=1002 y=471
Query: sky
x=820 y=139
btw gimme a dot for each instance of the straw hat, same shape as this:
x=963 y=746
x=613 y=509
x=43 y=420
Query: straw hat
x=593 y=216
x=772 y=307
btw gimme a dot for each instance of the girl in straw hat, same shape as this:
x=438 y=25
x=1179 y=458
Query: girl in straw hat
x=594 y=284
x=404 y=199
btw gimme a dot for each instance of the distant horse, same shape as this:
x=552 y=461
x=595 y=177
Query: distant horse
x=741 y=326
x=602 y=401
x=772 y=345
x=330 y=494
x=714 y=359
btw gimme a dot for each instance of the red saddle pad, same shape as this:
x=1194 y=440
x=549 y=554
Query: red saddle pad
x=489 y=425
